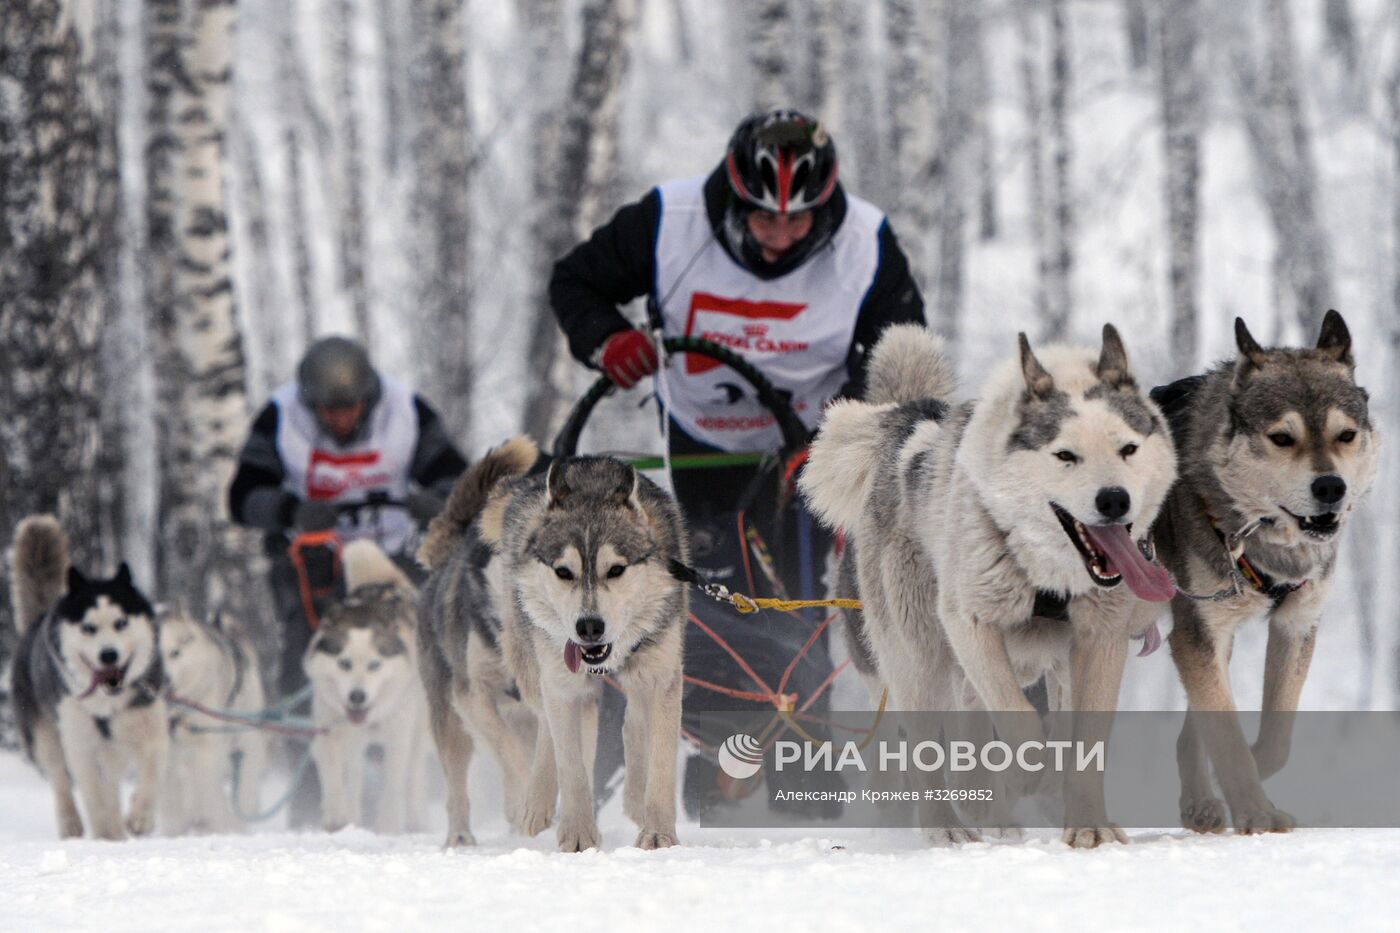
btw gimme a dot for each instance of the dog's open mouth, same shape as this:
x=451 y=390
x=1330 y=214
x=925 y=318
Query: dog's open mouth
x=576 y=655
x=357 y=714
x=110 y=677
x=1111 y=557
x=1321 y=526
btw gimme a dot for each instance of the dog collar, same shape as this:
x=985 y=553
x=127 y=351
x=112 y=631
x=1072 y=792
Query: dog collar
x=1258 y=580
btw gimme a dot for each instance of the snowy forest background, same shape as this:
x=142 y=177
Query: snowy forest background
x=191 y=190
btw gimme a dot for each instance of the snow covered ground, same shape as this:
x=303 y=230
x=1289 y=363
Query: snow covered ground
x=720 y=880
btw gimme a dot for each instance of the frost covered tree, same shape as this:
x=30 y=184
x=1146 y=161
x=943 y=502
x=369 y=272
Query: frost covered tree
x=773 y=48
x=1059 y=279
x=1030 y=64
x=909 y=44
x=961 y=29
x=584 y=155
x=1280 y=141
x=441 y=205
x=1180 y=65
x=349 y=172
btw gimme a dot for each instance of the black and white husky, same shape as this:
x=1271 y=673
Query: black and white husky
x=87 y=684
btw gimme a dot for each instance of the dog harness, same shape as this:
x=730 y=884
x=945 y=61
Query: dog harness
x=1257 y=579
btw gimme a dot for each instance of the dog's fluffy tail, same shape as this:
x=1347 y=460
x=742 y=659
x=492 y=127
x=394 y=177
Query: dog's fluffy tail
x=38 y=568
x=511 y=459
x=366 y=564
x=841 y=466
x=908 y=363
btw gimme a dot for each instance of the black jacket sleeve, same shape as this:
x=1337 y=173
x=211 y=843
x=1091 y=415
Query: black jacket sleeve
x=893 y=298
x=436 y=461
x=255 y=497
x=613 y=267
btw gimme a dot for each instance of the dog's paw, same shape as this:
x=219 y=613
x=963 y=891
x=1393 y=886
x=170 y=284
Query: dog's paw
x=113 y=833
x=70 y=826
x=654 y=839
x=1091 y=837
x=141 y=821
x=576 y=836
x=535 y=819
x=1203 y=815
x=459 y=840
x=1262 y=817
x=944 y=836
x=334 y=824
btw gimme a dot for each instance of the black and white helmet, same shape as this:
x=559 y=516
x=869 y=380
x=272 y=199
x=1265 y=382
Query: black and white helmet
x=781 y=161
x=336 y=373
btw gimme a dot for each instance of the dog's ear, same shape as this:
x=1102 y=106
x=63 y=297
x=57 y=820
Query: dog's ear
x=1113 y=360
x=555 y=485
x=1038 y=381
x=76 y=580
x=123 y=577
x=1251 y=354
x=625 y=492
x=1335 y=339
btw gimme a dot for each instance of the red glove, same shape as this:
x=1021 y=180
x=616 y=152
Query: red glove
x=626 y=357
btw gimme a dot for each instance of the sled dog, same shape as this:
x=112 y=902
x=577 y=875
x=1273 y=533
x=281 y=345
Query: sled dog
x=1277 y=450
x=580 y=575
x=969 y=520
x=211 y=663
x=366 y=690
x=87 y=682
x=471 y=693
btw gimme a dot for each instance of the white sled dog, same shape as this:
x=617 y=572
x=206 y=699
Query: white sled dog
x=87 y=683
x=579 y=573
x=1278 y=450
x=966 y=518
x=211 y=663
x=366 y=690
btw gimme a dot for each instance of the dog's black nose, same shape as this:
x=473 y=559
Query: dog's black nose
x=1113 y=502
x=108 y=657
x=590 y=629
x=1329 y=489
x=357 y=697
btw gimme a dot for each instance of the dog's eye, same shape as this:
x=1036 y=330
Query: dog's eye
x=1347 y=436
x=616 y=570
x=563 y=573
x=344 y=664
x=87 y=628
x=120 y=623
x=174 y=654
x=375 y=665
x=1067 y=456
x=1127 y=450
x=1281 y=440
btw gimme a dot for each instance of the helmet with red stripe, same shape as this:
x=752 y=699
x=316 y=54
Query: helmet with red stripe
x=781 y=161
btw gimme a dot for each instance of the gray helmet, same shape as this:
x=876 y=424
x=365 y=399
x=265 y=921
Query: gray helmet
x=336 y=372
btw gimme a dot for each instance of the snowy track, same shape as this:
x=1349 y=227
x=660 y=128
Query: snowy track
x=721 y=880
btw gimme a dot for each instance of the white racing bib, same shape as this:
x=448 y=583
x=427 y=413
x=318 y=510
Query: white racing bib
x=378 y=462
x=795 y=329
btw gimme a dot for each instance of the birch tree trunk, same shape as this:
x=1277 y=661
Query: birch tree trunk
x=1181 y=81
x=350 y=171
x=852 y=91
x=909 y=40
x=56 y=195
x=1060 y=278
x=962 y=33
x=1136 y=24
x=985 y=138
x=1030 y=65
x=441 y=204
x=585 y=154
x=203 y=557
x=301 y=115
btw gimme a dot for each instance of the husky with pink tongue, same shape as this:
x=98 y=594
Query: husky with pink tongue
x=1001 y=540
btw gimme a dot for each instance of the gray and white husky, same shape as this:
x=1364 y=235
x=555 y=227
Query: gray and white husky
x=579 y=574
x=962 y=515
x=1277 y=450
x=212 y=663
x=87 y=683
x=366 y=691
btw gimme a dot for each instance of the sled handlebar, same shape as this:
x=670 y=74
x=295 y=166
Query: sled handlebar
x=777 y=401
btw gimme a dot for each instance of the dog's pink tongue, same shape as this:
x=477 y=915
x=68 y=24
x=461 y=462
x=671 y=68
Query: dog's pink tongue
x=1147 y=579
x=1151 y=641
x=573 y=656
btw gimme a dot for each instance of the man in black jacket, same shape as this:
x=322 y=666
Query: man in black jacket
x=769 y=257
x=340 y=447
